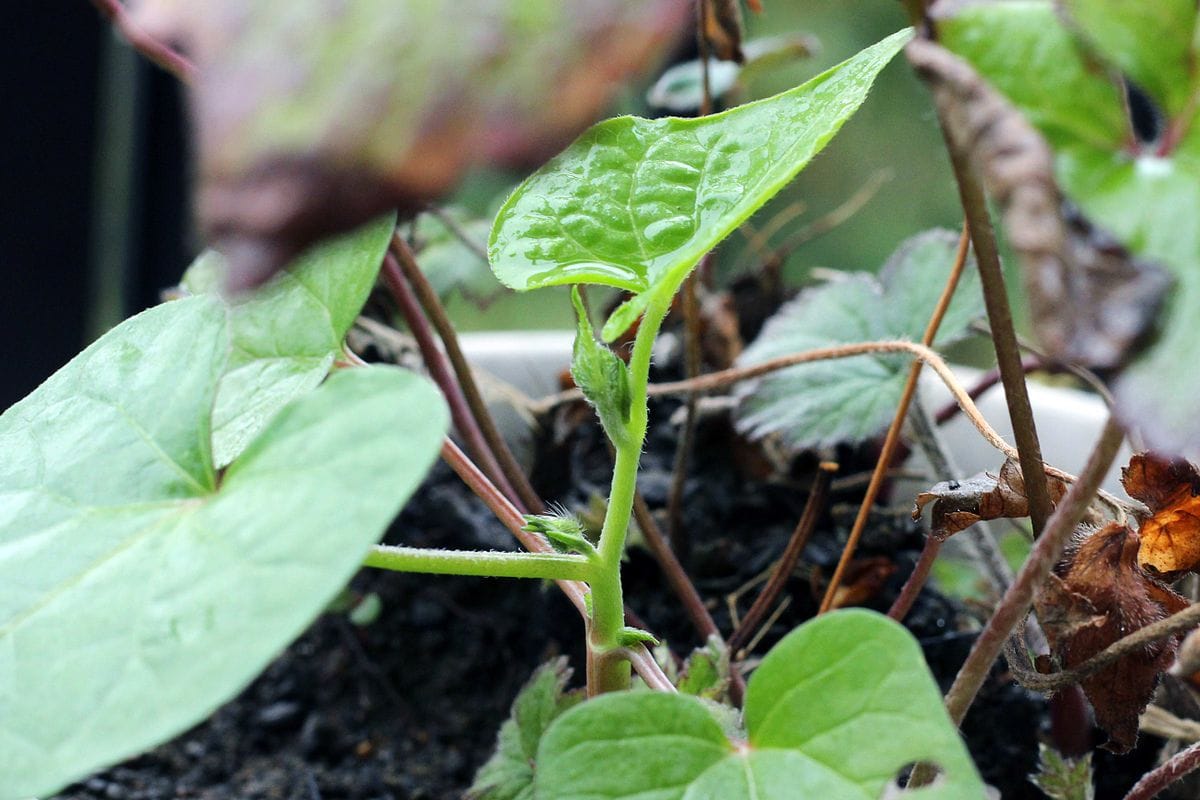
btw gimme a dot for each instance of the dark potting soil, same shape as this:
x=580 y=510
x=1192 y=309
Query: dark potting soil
x=408 y=705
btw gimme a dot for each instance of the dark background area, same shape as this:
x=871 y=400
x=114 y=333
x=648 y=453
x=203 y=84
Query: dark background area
x=94 y=218
x=70 y=93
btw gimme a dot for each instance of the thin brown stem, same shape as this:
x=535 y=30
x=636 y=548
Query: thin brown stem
x=460 y=233
x=916 y=580
x=1177 y=623
x=673 y=571
x=892 y=439
x=1046 y=552
x=786 y=564
x=507 y=513
x=648 y=669
x=833 y=219
x=687 y=435
x=466 y=378
x=1004 y=337
x=985 y=382
x=703 y=52
x=161 y=54
x=439 y=369
x=727 y=377
x=1165 y=774
x=576 y=592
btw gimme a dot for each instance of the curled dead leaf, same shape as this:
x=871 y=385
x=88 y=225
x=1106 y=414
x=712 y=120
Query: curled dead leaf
x=311 y=117
x=1170 y=488
x=1092 y=302
x=957 y=505
x=1099 y=596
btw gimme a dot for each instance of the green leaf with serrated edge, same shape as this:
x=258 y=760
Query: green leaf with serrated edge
x=850 y=400
x=836 y=710
x=508 y=774
x=1150 y=203
x=600 y=375
x=635 y=203
x=1062 y=778
x=286 y=335
x=137 y=592
x=1150 y=42
x=1023 y=50
x=706 y=673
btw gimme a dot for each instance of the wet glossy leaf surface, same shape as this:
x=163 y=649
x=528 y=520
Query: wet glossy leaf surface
x=286 y=335
x=1146 y=194
x=173 y=584
x=852 y=399
x=635 y=203
x=836 y=709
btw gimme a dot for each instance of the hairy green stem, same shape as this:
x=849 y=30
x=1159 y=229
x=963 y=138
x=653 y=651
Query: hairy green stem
x=610 y=666
x=493 y=564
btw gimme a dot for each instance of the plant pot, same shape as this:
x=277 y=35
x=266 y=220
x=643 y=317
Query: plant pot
x=408 y=704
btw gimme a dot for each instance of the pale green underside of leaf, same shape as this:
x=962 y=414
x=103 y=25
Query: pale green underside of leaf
x=851 y=400
x=136 y=595
x=1150 y=203
x=835 y=711
x=286 y=335
x=635 y=203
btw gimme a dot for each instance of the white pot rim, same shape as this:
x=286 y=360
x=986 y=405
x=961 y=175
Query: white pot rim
x=1068 y=420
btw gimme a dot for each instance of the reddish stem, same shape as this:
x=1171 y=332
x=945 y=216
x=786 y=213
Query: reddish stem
x=787 y=561
x=439 y=370
x=1165 y=774
x=164 y=56
x=917 y=580
x=673 y=571
x=436 y=313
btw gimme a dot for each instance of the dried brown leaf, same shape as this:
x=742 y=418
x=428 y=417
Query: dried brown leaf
x=1170 y=488
x=1102 y=596
x=1092 y=302
x=957 y=505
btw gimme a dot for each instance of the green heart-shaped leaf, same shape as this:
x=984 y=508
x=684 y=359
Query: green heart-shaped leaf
x=1146 y=194
x=140 y=588
x=286 y=335
x=635 y=203
x=836 y=710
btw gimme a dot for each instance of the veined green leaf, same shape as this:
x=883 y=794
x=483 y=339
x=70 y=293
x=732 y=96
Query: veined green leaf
x=137 y=589
x=836 y=710
x=1147 y=195
x=285 y=335
x=635 y=203
x=852 y=399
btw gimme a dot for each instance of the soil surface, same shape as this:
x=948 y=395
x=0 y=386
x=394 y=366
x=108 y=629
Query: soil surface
x=408 y=705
